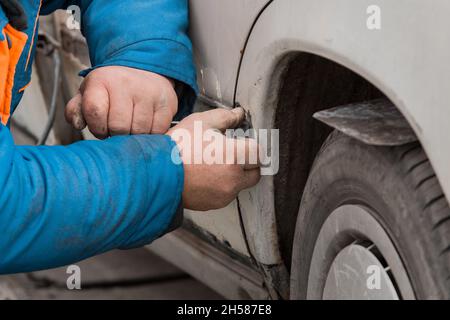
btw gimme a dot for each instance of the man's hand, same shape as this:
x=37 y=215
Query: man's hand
x=212 y=186
x=120 y=101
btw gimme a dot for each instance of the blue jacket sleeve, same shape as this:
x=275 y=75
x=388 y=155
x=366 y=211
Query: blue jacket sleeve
x=59 y=205
x=144 y=34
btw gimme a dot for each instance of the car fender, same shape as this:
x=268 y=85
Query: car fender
x=407 y=59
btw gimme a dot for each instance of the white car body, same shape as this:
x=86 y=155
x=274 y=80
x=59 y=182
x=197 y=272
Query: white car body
x=407 y=59
x=242 y=50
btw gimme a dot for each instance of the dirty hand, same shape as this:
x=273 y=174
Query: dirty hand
x=120 y=101
x=210 y=184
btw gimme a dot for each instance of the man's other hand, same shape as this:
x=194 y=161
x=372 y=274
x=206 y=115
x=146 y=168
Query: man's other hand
x=214 y=184
x=120 y=101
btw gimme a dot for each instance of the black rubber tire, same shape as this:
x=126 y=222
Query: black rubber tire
x=400 y=186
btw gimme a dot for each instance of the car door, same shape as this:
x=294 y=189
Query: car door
x=219 y=30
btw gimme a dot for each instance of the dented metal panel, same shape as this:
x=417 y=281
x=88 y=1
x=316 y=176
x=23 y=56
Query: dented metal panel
x=219 y=30
x=224 y=224
x=206 y=263
x=218 y=45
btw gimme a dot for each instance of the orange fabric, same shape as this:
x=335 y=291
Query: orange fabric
x=4 y=65
x=24 y=87
x=9 y=57
x=34 y=33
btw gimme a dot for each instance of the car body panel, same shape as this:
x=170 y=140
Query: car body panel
x=219 y=30
x=407 y=59
x=223 y=224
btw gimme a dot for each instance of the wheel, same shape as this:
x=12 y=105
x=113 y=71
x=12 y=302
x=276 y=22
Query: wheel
x=373 y=224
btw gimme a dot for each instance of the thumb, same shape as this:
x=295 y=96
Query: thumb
x=73 y=112
x=223 y=119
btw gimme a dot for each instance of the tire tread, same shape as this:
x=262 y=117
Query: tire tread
x=436 y=207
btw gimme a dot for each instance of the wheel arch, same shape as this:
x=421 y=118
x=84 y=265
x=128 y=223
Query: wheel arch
x=273 y=46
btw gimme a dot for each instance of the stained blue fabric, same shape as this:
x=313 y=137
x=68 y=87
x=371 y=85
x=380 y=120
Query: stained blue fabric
x=59 y=205
x=143 y=34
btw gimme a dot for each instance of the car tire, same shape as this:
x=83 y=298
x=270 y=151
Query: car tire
x=367 y=207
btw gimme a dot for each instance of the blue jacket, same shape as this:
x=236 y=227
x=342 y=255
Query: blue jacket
x=59 y=205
